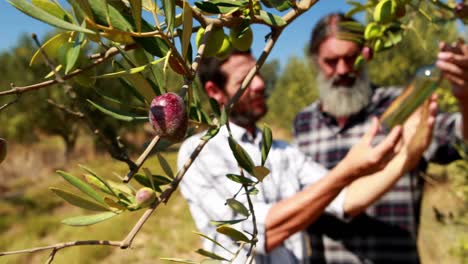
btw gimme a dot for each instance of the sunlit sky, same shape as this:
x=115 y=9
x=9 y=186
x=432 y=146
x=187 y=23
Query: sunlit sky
x=13 y=23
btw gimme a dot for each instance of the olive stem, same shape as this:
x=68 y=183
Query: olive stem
x=142 y=159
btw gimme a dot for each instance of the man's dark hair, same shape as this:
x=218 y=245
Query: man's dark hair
x=210 y=69
x=327 y=26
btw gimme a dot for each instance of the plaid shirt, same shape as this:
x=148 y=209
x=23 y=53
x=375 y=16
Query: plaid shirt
x=386 y=232
x=206 y=188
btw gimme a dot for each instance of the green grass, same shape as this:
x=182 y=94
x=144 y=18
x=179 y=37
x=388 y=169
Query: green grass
x=32 y=219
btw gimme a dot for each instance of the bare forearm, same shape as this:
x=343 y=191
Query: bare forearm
x=368 y=189
x=297 y=212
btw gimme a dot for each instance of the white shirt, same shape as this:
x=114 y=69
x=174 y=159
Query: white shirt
x=206 y=188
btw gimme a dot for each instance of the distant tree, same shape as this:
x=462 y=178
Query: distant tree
x=298 y=77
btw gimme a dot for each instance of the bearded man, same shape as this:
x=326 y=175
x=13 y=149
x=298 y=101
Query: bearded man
x=326 y=130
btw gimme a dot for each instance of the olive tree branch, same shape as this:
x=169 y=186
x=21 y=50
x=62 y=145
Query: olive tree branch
x=184 y=89
x=141 y=160
x=100 y=59
x=115 y=149
x=65 y=109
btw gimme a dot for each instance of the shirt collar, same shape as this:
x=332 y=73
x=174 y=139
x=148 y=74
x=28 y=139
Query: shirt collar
x=241 y=134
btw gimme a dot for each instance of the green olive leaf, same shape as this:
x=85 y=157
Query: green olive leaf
x=238 y=207
x=39 y=14
x=76 y=200
x=117 y=114
x=88 y=219
x=272 y=19
x=82 y=186
x=242 y=157
x=209 y=254
x=267 y=141
x=232 y=233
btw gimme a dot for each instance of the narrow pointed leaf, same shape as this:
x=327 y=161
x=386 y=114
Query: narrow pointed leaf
x=99 y=178
x=215 y=107
x=232 y=233
x=267 y=140
x=136 y=13
x=114 y=204
x=78 y=201
x=118 y=114
x=226 y=222
x=165 y=165
x=74 y=53
x=50 y=47
x=209 y=254
x=213 y=241
x=242 y=157
x=260 y=172
x=95 y=182
x=272 y=19
x=240 y=179
x=82 y=186
x=88 y=219
x=238 y=207
x=253 y=191
x=210 y=133
x=52 y=8
x=169 y=12
x=223 y=119
x=149 y=176
x=132 y=90
x=105 y=13
x=39 y=14
x=142 y=85
x=186 y=28
x=178 y=260
x=85 y=8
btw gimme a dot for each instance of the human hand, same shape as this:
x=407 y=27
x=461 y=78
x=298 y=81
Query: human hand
x=417 y=132
x=452 y=60
x=364 y=158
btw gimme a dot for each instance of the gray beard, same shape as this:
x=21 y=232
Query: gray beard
x=340 y=101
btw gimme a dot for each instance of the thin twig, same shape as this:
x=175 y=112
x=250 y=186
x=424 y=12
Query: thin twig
x=3 y=107
x=23 y=89
x=64 y=245
x=142 y=159
x=164 y=196
x=254 y=221
x=65 y=109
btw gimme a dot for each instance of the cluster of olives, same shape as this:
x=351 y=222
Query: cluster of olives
x=220 y=45
x=385 y=12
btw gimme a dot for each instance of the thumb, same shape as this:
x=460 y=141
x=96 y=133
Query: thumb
x=372 y=132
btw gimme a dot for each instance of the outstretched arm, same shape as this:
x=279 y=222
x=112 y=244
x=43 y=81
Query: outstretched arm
x=297 y=212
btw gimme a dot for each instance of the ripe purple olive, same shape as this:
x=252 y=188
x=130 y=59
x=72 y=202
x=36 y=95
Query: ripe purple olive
x=145 y=196
x=168 y=116
x=367 y=53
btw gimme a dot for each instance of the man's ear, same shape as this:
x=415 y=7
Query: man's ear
x=215 y=92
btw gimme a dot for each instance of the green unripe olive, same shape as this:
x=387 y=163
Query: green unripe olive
x=378 y=45
x=241 y=39
x=373 y=30
x=385 y=11
x=145 y=196
x=214 y=43
x=225 y=50
x=3 y=149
